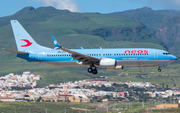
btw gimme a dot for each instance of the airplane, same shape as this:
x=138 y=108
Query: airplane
x=111 y=59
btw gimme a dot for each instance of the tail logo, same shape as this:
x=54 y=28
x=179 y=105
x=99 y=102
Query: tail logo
x=55 y=42
x=27 y=41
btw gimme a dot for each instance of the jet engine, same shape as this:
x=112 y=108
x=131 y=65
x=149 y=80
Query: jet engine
x=110 y=64
x=107 y=62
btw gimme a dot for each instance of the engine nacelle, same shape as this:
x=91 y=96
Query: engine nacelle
x=107 y=62
x=116 y=68
x=110 y=64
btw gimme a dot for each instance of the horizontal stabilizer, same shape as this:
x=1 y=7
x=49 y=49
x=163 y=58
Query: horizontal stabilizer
x=14 y=51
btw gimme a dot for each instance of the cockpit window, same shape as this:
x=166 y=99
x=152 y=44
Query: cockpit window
x=166 y=53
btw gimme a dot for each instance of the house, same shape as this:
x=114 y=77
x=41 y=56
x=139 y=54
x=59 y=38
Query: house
x=7 y=99
x=122 y=94
x=78 y=99
x=61 y=98
x=11 y=99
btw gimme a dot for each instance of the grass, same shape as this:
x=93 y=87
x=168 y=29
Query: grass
x=36 y=107
x=133 y=107
x=138 y=108
x=169 y=75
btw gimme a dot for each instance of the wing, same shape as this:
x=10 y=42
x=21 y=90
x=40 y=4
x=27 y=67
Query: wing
x=85 y=59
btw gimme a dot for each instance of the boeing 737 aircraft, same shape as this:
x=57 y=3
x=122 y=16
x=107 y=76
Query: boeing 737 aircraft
x=111 y=59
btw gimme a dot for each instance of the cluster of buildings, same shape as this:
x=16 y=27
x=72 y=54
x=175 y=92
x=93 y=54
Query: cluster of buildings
x=163 y=94
x=84 y=83
x=102 y=82
x=70 y=91
x=139 y=84
x=25 y=80
x=78 y=91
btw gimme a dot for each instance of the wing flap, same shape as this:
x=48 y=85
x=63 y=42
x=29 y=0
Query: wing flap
x=81 y=57
x=14 y=51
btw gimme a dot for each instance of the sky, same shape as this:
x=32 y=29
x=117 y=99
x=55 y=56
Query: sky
x=9 y=7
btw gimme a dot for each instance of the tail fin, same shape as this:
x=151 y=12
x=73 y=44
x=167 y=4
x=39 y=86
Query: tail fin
x=24 y=41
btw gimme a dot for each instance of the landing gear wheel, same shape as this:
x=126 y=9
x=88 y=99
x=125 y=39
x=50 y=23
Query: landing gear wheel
x=89 y=70
x=159 y=70
x=94 y=71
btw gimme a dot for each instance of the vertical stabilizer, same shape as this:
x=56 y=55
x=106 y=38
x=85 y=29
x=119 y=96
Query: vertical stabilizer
x=24 y=41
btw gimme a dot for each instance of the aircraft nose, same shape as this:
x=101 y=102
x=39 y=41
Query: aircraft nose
x=173 y=57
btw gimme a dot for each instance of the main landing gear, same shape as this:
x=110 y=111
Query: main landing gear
x=92 y=69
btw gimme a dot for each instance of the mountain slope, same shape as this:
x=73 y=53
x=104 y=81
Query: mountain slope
x=169 y=32
x=162 y=23
x=152 y=19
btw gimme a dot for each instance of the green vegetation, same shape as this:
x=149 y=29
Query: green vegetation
x=36 y=107
x=153 y=19
x=169 y=75
x=164 y=24
x=61 y=107
x=132 y=107
x=137 y=107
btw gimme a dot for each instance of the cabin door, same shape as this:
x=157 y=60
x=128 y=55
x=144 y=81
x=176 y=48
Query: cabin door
x=155 y=54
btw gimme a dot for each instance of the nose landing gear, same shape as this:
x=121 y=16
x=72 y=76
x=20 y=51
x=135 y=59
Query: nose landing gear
x=159 y=69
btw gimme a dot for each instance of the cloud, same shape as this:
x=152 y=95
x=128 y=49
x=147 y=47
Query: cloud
x=70 y=5
x=167 y=4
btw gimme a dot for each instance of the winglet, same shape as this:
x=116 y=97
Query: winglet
x=56 y=44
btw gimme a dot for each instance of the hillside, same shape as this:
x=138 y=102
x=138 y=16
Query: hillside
x=152 y=19
x=45 y=21
x=164 y=24
x=169 y=32
x=72 y=30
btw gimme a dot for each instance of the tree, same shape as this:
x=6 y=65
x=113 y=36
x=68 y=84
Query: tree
x=38 y=100
x=163 y=85
x=174 y=85
x=167 y=86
